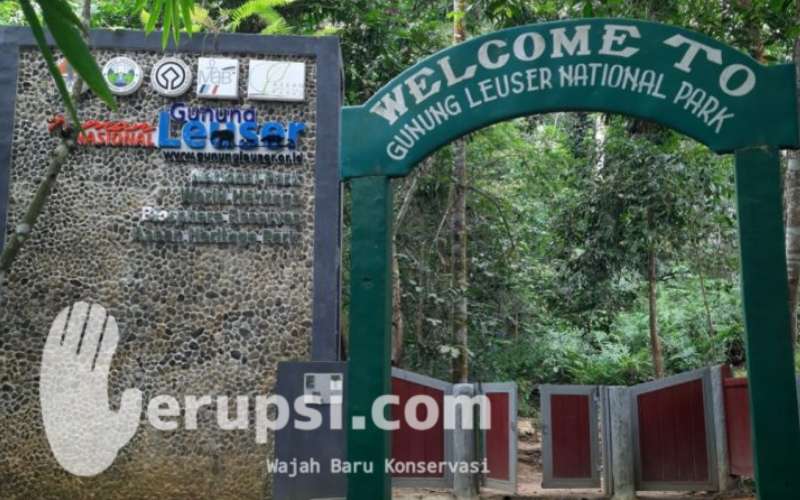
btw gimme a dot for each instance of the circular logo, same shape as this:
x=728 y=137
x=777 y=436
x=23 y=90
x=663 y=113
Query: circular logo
x=69 y=75
x=171 y=77
x=123 y=75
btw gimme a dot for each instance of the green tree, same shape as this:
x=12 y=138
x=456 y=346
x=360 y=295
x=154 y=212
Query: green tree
x=458 y=257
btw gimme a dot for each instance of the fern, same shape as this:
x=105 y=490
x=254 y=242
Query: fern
x=265 y=10
x=279 y=27
x=327 y=30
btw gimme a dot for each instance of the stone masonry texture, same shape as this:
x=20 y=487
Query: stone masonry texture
x=194 y=319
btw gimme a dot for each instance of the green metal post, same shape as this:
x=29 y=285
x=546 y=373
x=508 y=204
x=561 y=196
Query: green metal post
x=369 y=343
x=770 y=360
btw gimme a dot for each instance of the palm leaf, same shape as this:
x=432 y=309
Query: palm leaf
x=62 y=8
x=166 y=25
x=174 y=16
x=68 y=38
x=176 y=22
x=41 y=41
x=153 y=17
x=186 y=8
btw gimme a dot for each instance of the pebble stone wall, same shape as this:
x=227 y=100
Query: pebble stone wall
x=193 y=318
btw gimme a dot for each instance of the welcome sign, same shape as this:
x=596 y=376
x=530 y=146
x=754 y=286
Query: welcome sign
x=197 y=226
x=668 y=75
x=591 y=64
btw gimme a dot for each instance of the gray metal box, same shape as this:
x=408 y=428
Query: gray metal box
x=324 y=381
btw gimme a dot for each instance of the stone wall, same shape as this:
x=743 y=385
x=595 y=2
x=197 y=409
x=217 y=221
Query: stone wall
x=194 y=319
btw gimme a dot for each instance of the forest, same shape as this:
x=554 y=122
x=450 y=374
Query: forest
x=580 y=248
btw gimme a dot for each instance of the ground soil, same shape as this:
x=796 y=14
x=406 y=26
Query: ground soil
x=529 y=480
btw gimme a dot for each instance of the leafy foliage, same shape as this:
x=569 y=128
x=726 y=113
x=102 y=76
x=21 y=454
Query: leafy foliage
x=119 y=14
x=11 y=13
x=266 y=11
x=557 y=289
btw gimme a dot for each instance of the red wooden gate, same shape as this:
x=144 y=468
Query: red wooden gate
x=434 y=446
x=737 y=423
x=570 y=429
x=411 y=445
x=673 y=428
x=737 y=426
x=500 y=440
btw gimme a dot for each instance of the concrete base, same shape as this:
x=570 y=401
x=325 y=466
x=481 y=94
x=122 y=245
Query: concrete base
x=464 y=485
x=725 y=481
x=622 y=460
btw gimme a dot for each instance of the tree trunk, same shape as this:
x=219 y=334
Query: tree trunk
x=398 y=320
x=655 y=342
x=709 y=322
x=459 y=227
x=459 y=259
x=419 y=316
x=647 y=128
x=792 y=195
x=600 y=133
x=397 y=310
x=86 y=13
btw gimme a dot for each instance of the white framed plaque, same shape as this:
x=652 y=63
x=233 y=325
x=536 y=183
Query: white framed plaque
x=276 y=81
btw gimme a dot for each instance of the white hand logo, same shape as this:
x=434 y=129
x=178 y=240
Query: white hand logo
x=84 y=434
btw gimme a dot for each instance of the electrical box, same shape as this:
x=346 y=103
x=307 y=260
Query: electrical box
x=321 y=387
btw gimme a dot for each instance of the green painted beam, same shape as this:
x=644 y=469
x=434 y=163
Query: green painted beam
x=369 y=369
x=453 y=92
x=770 y=363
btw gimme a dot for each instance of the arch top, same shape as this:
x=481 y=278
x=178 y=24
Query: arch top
x=682 y=79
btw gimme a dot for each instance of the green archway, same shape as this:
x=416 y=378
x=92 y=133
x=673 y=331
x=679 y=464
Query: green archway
x=679 y=78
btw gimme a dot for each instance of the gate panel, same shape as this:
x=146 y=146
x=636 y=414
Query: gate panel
x=737 y=425
x=410 y=445
x=572 y=450
x=498 y=461
x=673 y=428
x=570 y=432
x=500 y=440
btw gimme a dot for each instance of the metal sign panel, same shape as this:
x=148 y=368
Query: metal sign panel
x=570 y=447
